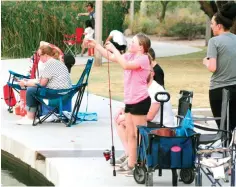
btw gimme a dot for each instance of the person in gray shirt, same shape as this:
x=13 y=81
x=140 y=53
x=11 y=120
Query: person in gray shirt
x=221 y=61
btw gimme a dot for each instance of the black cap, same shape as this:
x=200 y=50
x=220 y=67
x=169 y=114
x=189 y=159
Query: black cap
x=89 y=4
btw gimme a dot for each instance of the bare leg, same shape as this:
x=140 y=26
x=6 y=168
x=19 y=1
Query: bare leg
x=136 y=120
x=83 y=48
x=131 y=140
x=30 y=115
x=121 y=131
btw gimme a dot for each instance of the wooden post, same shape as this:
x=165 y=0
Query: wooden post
x=131 y=13
x=98 y=30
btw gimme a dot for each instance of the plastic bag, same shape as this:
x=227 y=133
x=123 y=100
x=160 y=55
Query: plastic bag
x=187 y=123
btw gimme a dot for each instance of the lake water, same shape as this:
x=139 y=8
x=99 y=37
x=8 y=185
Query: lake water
x=8 y=180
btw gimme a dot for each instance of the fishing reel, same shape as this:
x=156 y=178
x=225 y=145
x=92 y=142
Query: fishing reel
x=107 y=154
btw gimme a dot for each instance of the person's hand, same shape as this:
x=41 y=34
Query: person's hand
x=121 y=111
x=79 y=14
x=90 y=43
x=121 y=120
x=110 y=47
x=206 y=61
x=21 y=83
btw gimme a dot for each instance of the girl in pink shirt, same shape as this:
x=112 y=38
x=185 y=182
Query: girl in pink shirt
x=136 y=65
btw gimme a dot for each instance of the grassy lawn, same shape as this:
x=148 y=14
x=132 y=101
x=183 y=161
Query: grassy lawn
x=181 y=72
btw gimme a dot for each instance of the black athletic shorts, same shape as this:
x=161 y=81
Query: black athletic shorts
x=140 y=108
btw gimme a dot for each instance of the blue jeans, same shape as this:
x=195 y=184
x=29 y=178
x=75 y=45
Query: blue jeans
x=31 y=102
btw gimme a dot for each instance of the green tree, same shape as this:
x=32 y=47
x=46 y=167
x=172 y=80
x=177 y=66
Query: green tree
x=211 y=7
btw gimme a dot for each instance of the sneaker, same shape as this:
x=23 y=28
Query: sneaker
x=51 y=118
x=25 y=121
x=130 y=173
x=124 y=163
x=120 y=160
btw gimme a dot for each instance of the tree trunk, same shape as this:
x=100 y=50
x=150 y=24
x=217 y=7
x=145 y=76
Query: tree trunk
x=208 y=8
x=163 y=12
x=208 y=30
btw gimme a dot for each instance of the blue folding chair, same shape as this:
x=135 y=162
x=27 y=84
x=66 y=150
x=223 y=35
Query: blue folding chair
x=10 y=87
x=61 y=97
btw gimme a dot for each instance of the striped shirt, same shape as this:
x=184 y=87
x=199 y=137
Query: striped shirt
x=57 y=74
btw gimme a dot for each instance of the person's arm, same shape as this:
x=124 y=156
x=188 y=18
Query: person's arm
x=153 y=110
x=83 y=14
x=43 y=81
x=108 y=39
x=211 y=60
x=210 y=63
x=121 y=60
x=32 y=82
x=104 y=52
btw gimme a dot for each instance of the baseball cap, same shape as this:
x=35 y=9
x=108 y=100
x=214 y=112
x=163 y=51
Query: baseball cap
x=89 y=4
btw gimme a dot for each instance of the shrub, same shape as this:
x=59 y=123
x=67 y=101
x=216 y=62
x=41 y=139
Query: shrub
x=143 y=24
x=187 y=30
x=26 y=23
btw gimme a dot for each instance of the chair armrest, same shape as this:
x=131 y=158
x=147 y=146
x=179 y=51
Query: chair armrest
x=15 y=86
x=210 y=129
x=43 y=90
x=18 y=75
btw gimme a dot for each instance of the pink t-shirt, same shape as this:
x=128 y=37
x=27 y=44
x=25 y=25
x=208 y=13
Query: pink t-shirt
x=135 y=81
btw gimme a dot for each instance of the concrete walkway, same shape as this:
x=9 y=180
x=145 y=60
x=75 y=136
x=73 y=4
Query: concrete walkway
x=74 y=155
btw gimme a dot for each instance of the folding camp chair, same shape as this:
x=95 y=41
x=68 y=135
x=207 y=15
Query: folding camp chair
x=79 y=37
x=221 y=137
x=62 y=96
x=12 y=85
x=185 y=103
x=73 y=41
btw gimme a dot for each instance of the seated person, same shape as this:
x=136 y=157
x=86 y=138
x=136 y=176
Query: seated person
x=159 y=73
x=54 y=76
x=58 y=54
x=117 y=38
x=152 y=116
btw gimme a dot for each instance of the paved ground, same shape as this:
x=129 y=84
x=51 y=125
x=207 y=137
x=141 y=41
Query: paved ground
x=67 y=168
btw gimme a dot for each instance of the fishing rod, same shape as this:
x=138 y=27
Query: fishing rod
x=112 y=136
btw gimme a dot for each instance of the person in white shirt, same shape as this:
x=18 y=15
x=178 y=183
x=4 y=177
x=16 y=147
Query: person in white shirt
x=154 y=113
x=88 y=34
x=153 y=116
x=118 y=39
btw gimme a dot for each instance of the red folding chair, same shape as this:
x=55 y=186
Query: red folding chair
x=73 y=41
x=79 y=37
x=70 y=42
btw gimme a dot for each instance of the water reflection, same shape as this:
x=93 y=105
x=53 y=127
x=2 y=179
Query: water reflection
x=8 y=180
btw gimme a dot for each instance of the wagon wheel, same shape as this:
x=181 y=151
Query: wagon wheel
x=187 y=175
x=140 y=174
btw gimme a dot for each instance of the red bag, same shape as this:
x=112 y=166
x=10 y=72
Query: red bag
x=9 y=96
